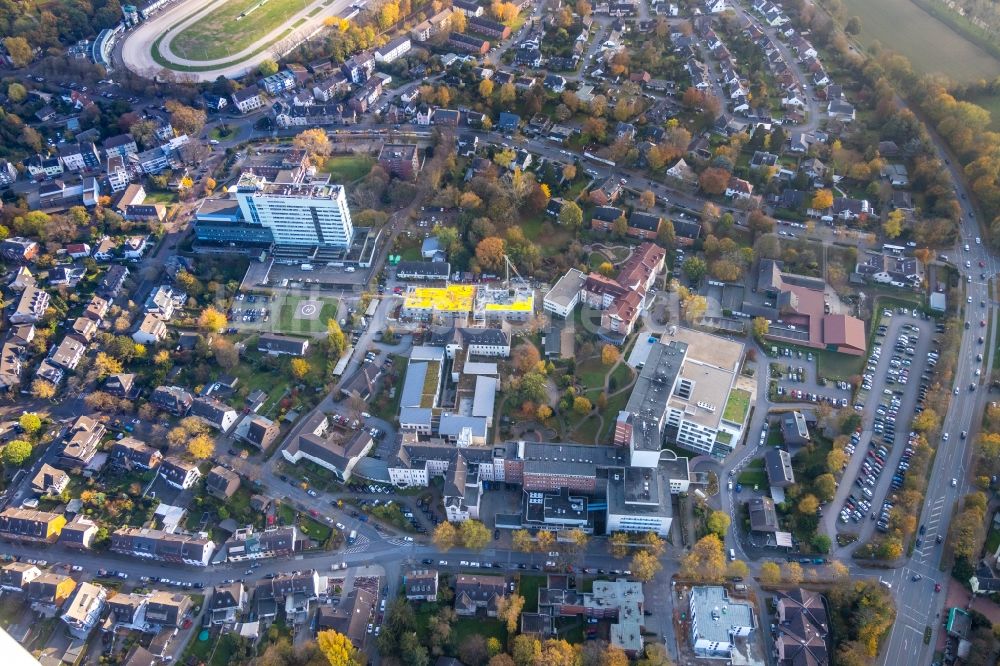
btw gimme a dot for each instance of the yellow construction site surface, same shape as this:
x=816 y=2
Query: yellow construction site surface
x=525 y=304
x=453 y=298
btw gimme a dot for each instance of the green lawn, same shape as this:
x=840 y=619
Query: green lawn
x=621 y=376
x=161 y=197
x=551 y=243
x=737 y=406
x=528 y=589
x=290 y=321
x=220 y=31
x=219 y=135
x=992 y=542
x=487 y=627
x=348 y=168
x=591 y=373
x=753 y=474
x=586 y=430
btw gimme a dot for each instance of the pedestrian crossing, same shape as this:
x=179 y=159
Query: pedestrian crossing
x=360 y=545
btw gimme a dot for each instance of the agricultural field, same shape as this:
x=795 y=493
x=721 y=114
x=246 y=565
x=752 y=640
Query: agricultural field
x=221 y=32
x=905 y=28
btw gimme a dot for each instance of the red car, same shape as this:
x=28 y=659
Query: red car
x=314 y=513
x=937 y=587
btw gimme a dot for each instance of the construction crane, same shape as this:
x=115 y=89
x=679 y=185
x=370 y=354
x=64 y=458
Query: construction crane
x=509 y=266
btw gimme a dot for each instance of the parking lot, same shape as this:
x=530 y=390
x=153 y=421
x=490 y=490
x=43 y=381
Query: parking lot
x=894 y=385
x=796 y=373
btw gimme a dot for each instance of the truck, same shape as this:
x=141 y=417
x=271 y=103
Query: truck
x=352 y=537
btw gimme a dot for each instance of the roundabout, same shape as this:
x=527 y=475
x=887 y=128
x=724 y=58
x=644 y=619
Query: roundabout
x=205 y=39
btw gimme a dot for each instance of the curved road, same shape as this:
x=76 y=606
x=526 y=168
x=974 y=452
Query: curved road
x=137 y=49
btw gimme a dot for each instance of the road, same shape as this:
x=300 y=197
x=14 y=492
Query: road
x=136 y=50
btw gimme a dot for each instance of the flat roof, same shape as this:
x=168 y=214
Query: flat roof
x=567 y=288
x=648 y=401
x=716 y=614
x=639 y=491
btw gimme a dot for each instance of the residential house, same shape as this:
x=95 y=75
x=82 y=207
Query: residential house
x=48 y=592
x=475 y=593
x=122 y=145
x=167 y=609
x=276 y=345
x=8 y=173
x=151 y=331
x=399 y=160
x=172 y=399
x=644 y=226
x=81 y=443
x=179 y=473
x=49 y=481
x=488 y=27
x=349 y=617
x=67 y=354
x=85 y=609
x=393 y=49
x=739 y=188
x=78 y=533
x=333 y=451
x=227 y=603
x=259 y=431
x=31 y=306
x=15 y=576
x=222 y=483
x=247 y=99
x=468 y=43
x=763 y=516
x=158 y=545
x=803 y=628
x=131 y=453
x=79 y=156
x=106 y=249
x=778 y=464
x=605 y=191
x=28 y=525
x=161 y=302
x=215 y=413
x=421 y=585
x=359 y=67
x=248 y=544
x=432 y=26
x=714 y=633
x=121 y=385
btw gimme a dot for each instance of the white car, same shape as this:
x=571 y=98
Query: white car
x=954 y=482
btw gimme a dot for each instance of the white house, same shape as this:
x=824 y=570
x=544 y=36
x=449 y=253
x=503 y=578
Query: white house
x=393 y=49
x=715 y=6
x=151 y=331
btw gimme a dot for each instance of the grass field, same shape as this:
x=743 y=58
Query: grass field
x=221 y=32
x=289 y=320
x=992 y=104
x=905 y=28
x=348 y=168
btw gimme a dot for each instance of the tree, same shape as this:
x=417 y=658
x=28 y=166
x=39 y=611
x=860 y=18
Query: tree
x=655 y=654
x=19 y=51
x=808 y=505
x=474 y=534
x=473 y=650
x=106 y=365
x=525 y=357
x=825 y=487
x=16 y=92
x=582 y=405
x=267 y=67
x=853 y=25
x=185 y=119
x=543 y=413
x=606 y=269
x=486 y=88
x=30 y=423
x=770 y=573
x=526 y=650
x=490 y=252
x=211 y=321
x=893 y=225
x=694 y=308
x=610 y=354
x=445 y=536
x=835 y=460
x=569 y=173
x=521 y=541
x=694 y=268
x=299 y=368
x=760 y=224
x=822 y=200
x=791 y=573
x=619 y=227
x=544 y=539
x=315 y=143
x=201 y=447
x=571 y=216
x=645 y=566
x=822 y=543
x=839 y=570
x=737 y=569
x=618 y=544
x=718 y=523
x=335 y=337
x=557 y=652
x=16 y=453
x=647 y=199
x=42 y=389
x=926 y=421
x=338 y=649
x=760 y=328
x=509 y=611
x=714 y=180
x=706 y=560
